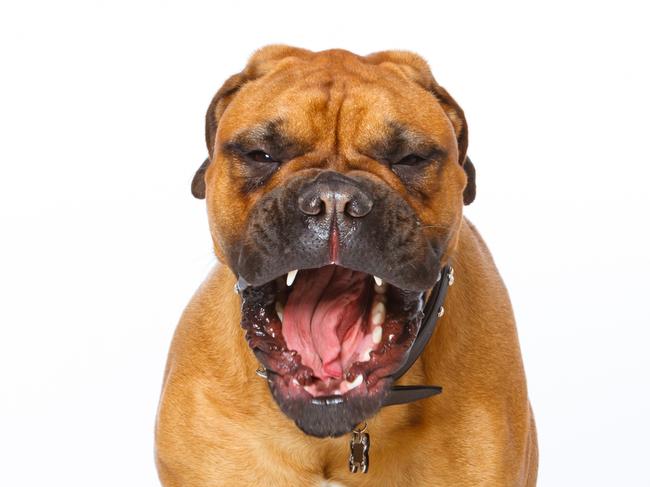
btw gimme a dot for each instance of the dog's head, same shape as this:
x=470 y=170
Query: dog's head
x=351 y=171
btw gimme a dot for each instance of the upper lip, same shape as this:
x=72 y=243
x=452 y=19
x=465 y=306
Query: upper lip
x=393 y=276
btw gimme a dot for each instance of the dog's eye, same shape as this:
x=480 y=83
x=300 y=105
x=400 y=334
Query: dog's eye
x=410 y=160
x=410 y=167
x=260 y=156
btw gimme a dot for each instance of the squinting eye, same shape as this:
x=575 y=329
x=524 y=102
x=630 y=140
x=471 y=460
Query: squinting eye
x=410 y=160
x=260 y=156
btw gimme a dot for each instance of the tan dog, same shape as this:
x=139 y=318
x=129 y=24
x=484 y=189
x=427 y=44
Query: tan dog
x=341 y=167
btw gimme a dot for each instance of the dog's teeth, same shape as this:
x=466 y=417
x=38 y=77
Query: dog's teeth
x=376 y=334
x=378 y=313
x=391 y=337
x=291 y=276
x=356 y=382
x=348 y=386
x=378 y=280
x=365 y=356
x=279 y=309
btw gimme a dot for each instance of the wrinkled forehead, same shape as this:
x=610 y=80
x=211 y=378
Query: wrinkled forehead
x=346 y=104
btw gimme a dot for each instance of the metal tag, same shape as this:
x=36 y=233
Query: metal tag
x=359 y=451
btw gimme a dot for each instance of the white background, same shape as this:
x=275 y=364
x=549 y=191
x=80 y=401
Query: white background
x=102 y=245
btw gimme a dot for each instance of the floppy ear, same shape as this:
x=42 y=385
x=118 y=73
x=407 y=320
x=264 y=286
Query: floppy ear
x=469 y=193
x=416 y=69
x=198 y=181
x=457 y=118
x=260 y=63
x=217 y=106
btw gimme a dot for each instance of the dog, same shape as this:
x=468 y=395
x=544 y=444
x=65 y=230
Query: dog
x=335 y=187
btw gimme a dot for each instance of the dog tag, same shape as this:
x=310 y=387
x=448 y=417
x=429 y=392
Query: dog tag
x=359 y=451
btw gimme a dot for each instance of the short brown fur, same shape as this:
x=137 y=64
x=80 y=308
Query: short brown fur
x=217 y=422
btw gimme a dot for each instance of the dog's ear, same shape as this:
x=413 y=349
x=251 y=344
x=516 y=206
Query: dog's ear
x=457 y=117
x=469 y=193
x=261 y=62
x=198 y=181
x=416 y=69
x=217 y=106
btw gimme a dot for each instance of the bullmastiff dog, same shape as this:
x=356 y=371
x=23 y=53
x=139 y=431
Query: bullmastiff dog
x=355 y=331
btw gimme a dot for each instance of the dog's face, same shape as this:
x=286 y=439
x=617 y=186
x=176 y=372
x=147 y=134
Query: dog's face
x=352 y=171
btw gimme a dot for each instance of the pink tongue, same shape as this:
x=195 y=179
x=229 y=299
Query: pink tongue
x=326 y=308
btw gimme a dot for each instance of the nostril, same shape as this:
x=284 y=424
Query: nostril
x=356 y=209
x=311 y=205
x=358 y=206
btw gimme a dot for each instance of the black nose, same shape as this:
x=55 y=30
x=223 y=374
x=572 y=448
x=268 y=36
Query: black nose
x=331 y=192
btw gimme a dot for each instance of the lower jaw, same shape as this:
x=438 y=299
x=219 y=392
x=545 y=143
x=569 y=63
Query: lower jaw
x=328 y=415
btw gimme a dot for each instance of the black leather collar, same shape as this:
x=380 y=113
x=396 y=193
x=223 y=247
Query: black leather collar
x=433 y=310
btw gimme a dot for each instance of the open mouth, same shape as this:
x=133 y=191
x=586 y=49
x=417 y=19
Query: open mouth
x=330 y=338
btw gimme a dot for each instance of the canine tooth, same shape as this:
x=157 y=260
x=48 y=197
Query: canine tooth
x=376 y=334
x=378 y=280
x=391 y=337
x=378 y=313
x=291 y=276
x=279 y=309
x=380 y=290
x=356 y=382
